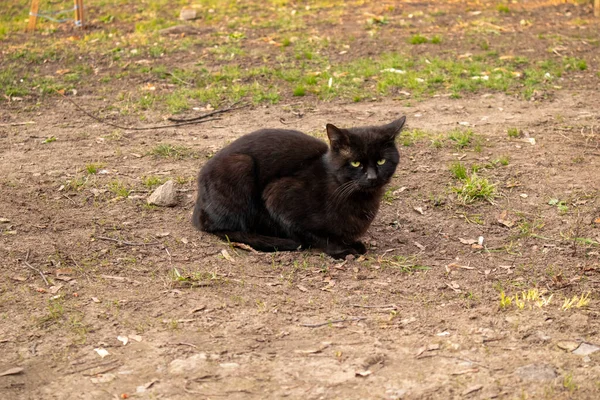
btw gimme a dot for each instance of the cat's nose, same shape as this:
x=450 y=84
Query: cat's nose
x=371 y=174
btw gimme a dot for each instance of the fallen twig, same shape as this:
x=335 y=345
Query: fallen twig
x=124 y=242
x=70 y=199
x=210 y=114
x=385 y=306
x=133 y=128
x=185 y=344
x=105 y=370
x=452 y=358
x=18 y=123
x=335 y=321
x=93 y=365
x=36 y=270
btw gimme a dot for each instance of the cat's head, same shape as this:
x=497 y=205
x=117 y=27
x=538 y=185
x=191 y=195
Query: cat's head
x=366 y=156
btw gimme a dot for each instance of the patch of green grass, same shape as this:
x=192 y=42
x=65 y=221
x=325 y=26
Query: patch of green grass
x=299 y=90
x=406 y=264
x=475 y=188
x=93 y=168
x=177 y=102
x=411 y=136
x=513 y=133
x=459 y=171
x=569 y=383
x=170 y=151
x=436 y=39
x=49 y=140
x=503 y=8
x=462 y=138
x=153 y=181
x=561 y=205
x=503 y=160
x=388 y=196
x=418 y=39
x=118 y=188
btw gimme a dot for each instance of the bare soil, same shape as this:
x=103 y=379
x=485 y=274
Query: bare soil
x=418 y=318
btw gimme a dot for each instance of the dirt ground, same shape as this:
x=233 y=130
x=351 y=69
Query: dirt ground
x=183 y=315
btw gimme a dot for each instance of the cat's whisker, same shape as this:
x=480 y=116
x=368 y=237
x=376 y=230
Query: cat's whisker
x=343 y=192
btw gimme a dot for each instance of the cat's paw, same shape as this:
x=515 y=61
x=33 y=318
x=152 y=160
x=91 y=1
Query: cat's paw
x=359 y=247
x=341 y=253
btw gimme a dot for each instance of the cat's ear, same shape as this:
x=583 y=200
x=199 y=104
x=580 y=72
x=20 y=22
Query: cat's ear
x=393 y=128
x=337 y=137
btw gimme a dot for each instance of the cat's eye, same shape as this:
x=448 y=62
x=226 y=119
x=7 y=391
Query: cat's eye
x=381 y=162
x=355 y=164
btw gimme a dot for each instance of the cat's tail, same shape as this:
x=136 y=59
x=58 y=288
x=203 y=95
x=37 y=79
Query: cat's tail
x=196 y=215
x=259 y=242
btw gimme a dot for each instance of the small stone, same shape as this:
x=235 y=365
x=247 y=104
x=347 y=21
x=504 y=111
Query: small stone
x=164 y=195
x=191 y=365
x=103 y=378
x=585 y=349
x=568 y=345
x=187 y=14
x=229 y=365
x=536 y=372
x=180 y=30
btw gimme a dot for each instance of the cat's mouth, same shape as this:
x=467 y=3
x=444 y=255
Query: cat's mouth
x=369 y=186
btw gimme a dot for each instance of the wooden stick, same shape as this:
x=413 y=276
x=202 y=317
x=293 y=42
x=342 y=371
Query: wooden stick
x=124 y=242
x=38 y=271
x=76 y=9
x=35 y=5
x=81 y=13
x=335 y=321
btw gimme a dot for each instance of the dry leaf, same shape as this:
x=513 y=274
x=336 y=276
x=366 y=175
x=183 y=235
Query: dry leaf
x=95 y=300
x=243 y=246
x=597 y=220
x=55 y=289
x=467 y=241
x=451 y=266
x=102 y=352
x=227 y=256
x=466 y=371
x=12 y=371
x=137 y=338
x=19 y=278
x=504 y=219
x=419 y=210
x=420 y=246
x=302 y=288
x=472 y=389
x=123 y=339
x=363 y=373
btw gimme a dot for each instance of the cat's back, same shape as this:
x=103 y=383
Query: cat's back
x=274 y=152
x=277 y=142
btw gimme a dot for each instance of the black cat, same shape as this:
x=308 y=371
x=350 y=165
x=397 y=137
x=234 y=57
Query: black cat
x=277 y=189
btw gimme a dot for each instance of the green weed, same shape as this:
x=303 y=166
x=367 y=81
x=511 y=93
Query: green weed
x=170 y=151
x=513 y=133
x=93 y=168
x=462 y=138
x=118 y=188
x=475 y=188
x=459 y=171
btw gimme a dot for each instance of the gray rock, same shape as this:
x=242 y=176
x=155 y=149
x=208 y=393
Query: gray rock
x=165 y=195
x=187 y=14
x=180 y=30
x=191 y=365
x=585 y=349
x=536 y=372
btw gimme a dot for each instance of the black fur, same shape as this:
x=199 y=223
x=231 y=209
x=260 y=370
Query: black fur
x=277 y=189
